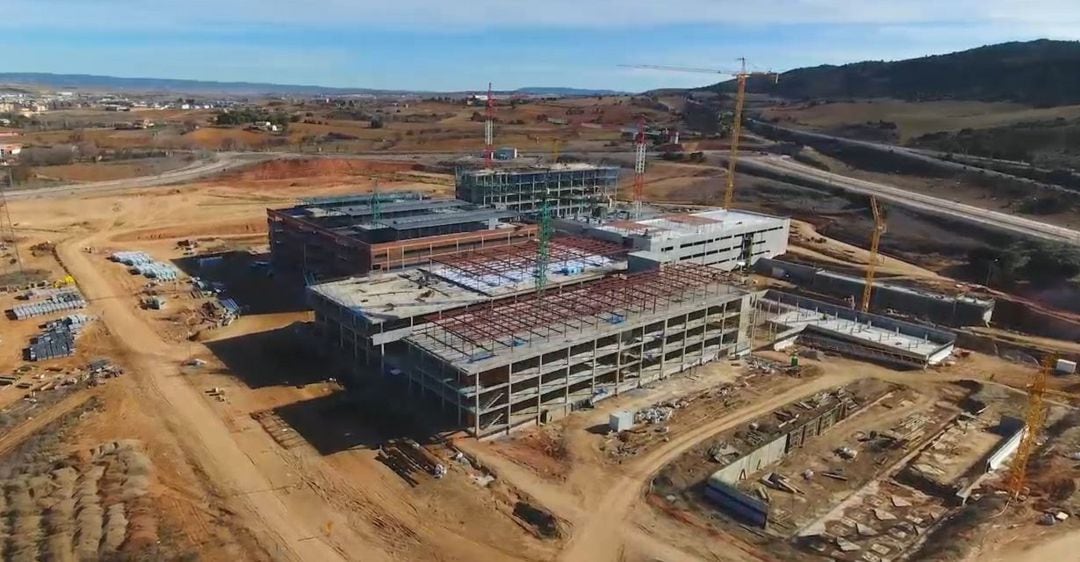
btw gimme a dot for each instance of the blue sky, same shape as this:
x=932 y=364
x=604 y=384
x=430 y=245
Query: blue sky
x=447 y=45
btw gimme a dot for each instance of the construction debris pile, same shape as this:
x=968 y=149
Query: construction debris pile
x=57 y=338
x=406 y=457
x=56 y=301
x=660 y=412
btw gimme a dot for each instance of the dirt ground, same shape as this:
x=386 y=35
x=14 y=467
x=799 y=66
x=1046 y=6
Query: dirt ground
x=106 y=171
x=254 y=454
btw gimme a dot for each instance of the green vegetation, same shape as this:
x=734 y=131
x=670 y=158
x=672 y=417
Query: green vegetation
x=1054 y=143
x=1042 y=72
x=250 y=115
x=1040 y=263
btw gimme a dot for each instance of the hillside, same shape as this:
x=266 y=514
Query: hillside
x=118 y=84
x=1042 y=72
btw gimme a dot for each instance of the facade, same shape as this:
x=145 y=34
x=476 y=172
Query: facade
x=536 y=359
x=725 y=239
x=571 y=190
x=338 y=237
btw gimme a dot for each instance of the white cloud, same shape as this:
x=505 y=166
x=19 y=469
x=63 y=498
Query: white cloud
x=449 y=16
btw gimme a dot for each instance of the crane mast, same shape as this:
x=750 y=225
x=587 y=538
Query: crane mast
x=875 y=241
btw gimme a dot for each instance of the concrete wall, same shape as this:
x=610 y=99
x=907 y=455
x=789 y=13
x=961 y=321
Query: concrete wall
x=725 y=249
x=752 y=462
x=883 y=322
x=933 y=307
x=1015 y=429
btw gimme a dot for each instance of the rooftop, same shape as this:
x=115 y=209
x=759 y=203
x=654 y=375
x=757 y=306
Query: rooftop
x=384 y=297
x=679 y=225
x=565 y=167
x=468 y=339
x=513 y=267
x=399 y=213
x=469 y=278
x=880 y=332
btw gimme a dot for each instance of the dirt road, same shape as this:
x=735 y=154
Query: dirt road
x=596 y=537
x=206 y=440
x=199 y=169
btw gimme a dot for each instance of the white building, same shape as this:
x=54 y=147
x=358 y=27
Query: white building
x=9 y=150
x=720 y=238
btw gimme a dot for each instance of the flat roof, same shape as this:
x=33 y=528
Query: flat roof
x=384 y=297
x=566 y=167
x=685 y=224
x=874 y=330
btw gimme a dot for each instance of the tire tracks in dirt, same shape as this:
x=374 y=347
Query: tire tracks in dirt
x=205 y=440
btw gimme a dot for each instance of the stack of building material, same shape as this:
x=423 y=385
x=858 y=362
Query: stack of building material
x=157 y=270
x=143 y=264
x=131 y=258
x=51 y=344
x=57 y=339
x=67 y=300
x=74 y=322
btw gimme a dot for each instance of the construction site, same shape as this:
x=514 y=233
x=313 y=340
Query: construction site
x=463 y=354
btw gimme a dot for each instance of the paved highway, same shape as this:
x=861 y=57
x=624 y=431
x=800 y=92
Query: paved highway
x=918 y=201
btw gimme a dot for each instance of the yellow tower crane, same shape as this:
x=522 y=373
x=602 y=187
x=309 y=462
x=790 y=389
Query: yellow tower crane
x=741 y=76
x=875 y=241
x=1034 y=420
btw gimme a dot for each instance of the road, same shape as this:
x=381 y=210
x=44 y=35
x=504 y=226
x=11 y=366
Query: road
x=925 y=203
x=594 y=538
x=196 y=170
x=207 y=440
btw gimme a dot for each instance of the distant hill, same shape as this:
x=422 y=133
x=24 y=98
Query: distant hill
x=1041 y=72
x=540 y=91
x=89 y=82
x=166 y=85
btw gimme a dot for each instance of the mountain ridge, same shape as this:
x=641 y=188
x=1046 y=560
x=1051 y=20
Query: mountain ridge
x=1042 y=72
x=95 y=82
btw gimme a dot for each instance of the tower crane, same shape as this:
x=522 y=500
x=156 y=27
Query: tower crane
x=489 y=129
x=741 y=76
x=640 y=148
x=875 y=241
x=1034 y=420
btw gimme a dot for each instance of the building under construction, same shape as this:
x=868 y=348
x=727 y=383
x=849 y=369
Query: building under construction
x=536 y=358
x=476 y=334
x=363 y=321
x=336 y=237
x=570 y=190
x=726 y=239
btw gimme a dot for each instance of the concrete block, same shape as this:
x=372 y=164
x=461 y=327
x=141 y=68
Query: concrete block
x=621 y=421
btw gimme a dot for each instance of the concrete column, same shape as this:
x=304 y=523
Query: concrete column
x=509 y=393
x=663 y=353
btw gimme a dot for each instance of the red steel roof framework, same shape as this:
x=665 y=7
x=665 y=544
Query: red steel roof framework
x=500 y=261
x=509 y=323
